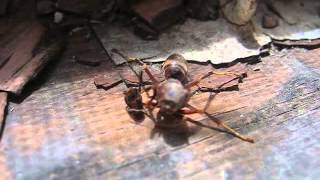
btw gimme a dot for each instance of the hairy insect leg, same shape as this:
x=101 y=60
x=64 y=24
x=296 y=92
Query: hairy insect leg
x=232 y=131
x=197 y=81
x=210 y=99
x=145 y=66
x=141 y=86
x=193 y=110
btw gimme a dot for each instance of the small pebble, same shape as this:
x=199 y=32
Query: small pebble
x=269 y=21
x=58 y=17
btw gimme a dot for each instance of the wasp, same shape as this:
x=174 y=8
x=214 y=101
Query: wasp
x=171 y=96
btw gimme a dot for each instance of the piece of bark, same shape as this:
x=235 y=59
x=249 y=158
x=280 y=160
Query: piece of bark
x=299 y=43
x=160 y=14
x=106 y=82
x=3 y=105
x=23 y=50
x=32 y=68
x=22 y=54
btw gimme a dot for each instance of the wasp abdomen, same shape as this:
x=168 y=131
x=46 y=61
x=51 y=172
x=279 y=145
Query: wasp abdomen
x=175 y=67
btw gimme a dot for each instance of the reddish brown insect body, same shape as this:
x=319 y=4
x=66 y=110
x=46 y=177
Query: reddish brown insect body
x=175 y=67
x=173 y=94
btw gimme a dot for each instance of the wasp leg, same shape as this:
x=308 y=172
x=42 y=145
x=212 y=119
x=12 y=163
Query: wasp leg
x=232 y=131
x=145 y=67
x=197 y=81
x=151 y=76
x=193 y=110
x=189 y=109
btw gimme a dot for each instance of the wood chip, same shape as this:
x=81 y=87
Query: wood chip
x=302 y=43
x=160 y=14
x=106 y=82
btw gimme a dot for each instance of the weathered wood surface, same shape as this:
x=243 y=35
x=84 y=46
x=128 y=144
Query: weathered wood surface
x=68 y=129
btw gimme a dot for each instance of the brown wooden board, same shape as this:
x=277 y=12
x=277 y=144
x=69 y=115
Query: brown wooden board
x=68 y=129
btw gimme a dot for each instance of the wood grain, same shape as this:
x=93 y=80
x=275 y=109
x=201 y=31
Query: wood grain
x=68 y=129
x=22 y=55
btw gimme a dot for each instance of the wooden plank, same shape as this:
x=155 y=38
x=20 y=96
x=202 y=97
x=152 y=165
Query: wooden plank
x=89 y=134
x=70 y=130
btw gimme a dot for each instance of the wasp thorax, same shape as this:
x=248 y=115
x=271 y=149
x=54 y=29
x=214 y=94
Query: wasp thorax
x=175 y=67
x=172 y=96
